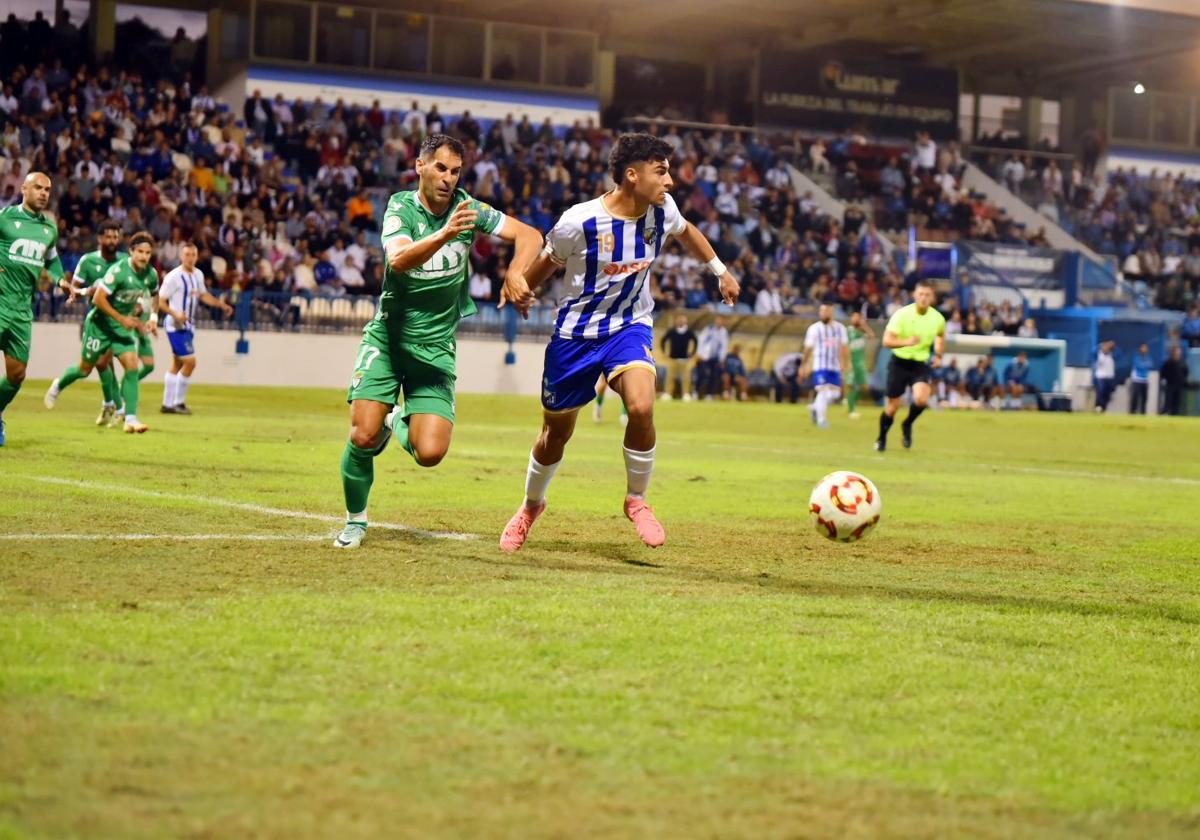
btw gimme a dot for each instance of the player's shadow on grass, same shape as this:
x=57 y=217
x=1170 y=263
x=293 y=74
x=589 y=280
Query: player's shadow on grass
x=830 y=589
x=632 y=555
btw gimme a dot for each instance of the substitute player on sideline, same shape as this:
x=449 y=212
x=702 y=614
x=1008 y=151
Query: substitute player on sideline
x=409 y=346
x=28 y=243
x=608 y=245
x=826 y=355
x=912 y=334
x=182 y=288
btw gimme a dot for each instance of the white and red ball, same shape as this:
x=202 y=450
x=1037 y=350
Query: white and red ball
x=845 y=506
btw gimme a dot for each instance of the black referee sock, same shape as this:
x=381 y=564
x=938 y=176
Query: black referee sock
x=885 y=422
x=914 y=412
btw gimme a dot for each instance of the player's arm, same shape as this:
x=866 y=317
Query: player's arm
x=527 y=242
x=698 y=246
x=892 y=340
x=939 y=343
x=100 y=301
x=209 y=299
x=164 y=302
x=405 y=253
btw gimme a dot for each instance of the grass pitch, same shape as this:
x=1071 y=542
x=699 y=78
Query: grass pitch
x=1014 y=652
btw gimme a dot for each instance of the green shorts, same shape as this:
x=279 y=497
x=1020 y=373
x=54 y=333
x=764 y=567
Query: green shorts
x=16 y=337
x=98 y=340
x=145 y=346
x=423 y=372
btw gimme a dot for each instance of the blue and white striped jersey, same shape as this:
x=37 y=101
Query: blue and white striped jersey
x=608 y=261
x=182 y=290
x=827 y=341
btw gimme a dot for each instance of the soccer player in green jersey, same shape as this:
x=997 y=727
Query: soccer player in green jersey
x=860 y=332
x=91 y=268
x=114 y=325
x=409 y=346
x=913 y=333
x=28 y=243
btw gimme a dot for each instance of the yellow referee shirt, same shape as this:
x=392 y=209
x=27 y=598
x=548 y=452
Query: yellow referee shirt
x=907 y=322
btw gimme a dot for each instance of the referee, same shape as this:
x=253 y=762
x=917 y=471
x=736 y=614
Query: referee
x=911 y=334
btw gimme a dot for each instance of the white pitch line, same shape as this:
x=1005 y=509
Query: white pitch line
x=1000 y=468
x=217 y=501
x=164 y=537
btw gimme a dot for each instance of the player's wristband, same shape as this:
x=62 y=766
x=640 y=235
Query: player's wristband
x=716 y=266
x=154 y=319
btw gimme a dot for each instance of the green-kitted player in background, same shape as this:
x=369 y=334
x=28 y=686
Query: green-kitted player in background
x=409 y=346
x=28 y=245
x=859 y=332
x=92 y=266
x=113 y=326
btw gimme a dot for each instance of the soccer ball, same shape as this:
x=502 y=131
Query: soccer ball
x=845 y=506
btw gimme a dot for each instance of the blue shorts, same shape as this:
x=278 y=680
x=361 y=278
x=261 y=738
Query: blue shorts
x=827 y=377
x=574 y=364
x=181 y=343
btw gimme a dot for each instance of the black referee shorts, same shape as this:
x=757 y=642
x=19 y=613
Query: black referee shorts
x=905 y=372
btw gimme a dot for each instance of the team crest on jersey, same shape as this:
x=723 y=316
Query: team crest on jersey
x=357 y=379
x=391 y=225
x=649 y=235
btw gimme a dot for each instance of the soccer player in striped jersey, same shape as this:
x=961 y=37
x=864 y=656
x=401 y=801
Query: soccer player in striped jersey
x=607 y=246
x=181 y=289
x=826 y=354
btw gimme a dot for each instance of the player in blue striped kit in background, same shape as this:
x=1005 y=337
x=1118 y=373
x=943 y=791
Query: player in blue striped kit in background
x=607 y=246
x=826 y=354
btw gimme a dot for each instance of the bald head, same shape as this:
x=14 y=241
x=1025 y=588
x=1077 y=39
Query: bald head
x=36 y=191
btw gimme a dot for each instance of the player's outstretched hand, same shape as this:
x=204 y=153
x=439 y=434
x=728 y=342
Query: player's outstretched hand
x=462 y=219
x=730 y=288
x=517 y=292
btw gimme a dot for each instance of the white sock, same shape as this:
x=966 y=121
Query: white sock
x=131 y=420
x=537 y=479
x=181 y=386
x=819 y=404
x=169 y=389
x=356 y=517
x=638 y=466
x=109 y=404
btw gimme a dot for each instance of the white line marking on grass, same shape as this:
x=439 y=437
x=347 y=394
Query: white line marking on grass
x=217 y=501
x=165 y=537
x=1000 y=468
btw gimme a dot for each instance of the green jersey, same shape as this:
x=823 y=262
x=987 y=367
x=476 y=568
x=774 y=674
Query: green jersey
x=907 y=322
x=28 y=244
x=93 y=266
x=424 y=305
x=126 y=287
x=858 y=346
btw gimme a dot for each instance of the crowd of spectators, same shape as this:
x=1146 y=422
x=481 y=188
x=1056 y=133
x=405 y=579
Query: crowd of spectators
x=915 y=186
x=284 y=197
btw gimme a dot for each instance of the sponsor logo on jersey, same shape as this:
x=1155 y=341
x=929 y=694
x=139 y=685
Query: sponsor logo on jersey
x=28 y=252
x=450 y=260
x=626 y=268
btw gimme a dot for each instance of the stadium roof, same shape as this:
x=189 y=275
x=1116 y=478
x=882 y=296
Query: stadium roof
x=1002 y=46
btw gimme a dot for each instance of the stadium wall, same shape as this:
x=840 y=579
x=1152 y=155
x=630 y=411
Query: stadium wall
x=298 y=359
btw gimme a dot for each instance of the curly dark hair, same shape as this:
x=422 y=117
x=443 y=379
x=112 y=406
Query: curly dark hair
x=435 y=141
x=636 y=148
x=109 y=224
x=139 y=238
